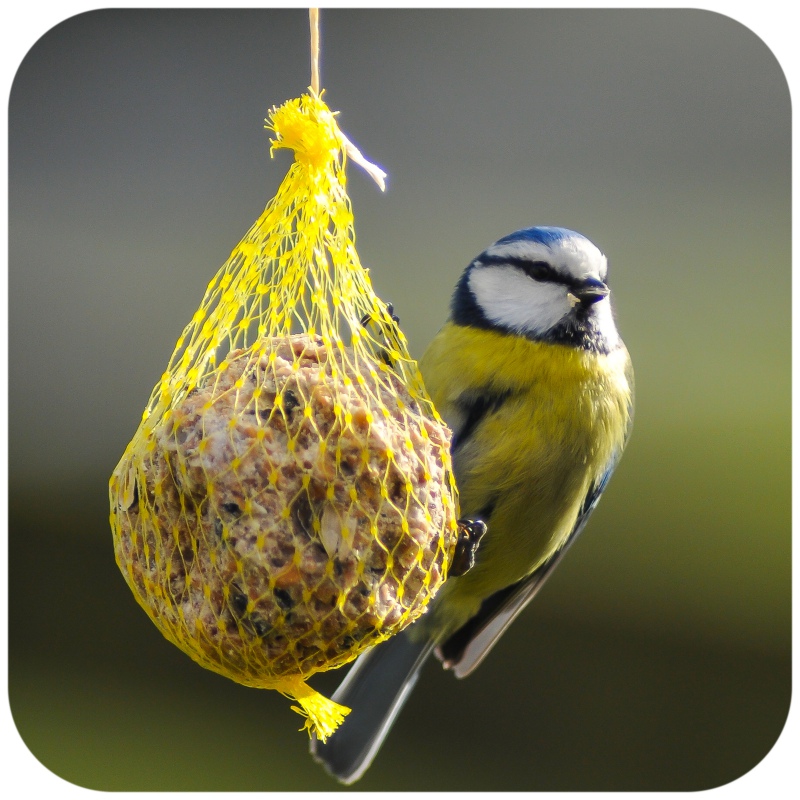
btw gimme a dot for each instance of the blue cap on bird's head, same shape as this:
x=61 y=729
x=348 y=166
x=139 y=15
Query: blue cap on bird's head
x=543 y=234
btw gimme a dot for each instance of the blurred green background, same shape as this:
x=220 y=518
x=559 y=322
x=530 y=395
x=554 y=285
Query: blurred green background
x=658 y=656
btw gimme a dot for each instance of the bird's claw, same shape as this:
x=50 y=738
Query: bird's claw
x=470 y=533
x=389 y=332
x=367 y=318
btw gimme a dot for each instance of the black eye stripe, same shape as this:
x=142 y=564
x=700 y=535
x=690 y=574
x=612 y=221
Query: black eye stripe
x=538 y=270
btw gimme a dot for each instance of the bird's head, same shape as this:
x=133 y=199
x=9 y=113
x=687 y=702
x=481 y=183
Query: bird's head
x=547 y=284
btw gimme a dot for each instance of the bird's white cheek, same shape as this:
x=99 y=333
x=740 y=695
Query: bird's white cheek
x=512 y=300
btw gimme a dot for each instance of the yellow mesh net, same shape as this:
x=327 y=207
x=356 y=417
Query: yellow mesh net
x=287 y=500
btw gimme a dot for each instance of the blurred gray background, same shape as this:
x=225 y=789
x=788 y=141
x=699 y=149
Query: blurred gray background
x=658 y=656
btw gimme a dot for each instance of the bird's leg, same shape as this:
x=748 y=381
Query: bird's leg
x=388 y=332
x=470 y=533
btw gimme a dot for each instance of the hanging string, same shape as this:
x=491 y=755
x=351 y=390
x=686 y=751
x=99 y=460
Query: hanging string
x=313 y=18
x=353 y=153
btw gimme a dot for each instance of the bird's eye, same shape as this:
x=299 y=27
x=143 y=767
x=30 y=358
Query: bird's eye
x=539 y=270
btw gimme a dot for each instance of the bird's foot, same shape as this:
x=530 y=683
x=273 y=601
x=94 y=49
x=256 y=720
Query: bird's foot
x=470 y=533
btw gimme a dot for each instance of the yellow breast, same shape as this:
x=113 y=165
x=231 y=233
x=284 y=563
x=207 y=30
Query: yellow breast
x=563 y=416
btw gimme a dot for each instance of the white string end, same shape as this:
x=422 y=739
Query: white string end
x=373 y=170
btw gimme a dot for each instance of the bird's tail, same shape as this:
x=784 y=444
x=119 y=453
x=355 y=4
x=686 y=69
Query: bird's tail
x=375 y=689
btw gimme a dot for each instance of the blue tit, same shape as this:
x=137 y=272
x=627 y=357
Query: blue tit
x=536 y=384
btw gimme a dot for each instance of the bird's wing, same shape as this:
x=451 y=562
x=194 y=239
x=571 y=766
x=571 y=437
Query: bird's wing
x=464 y=650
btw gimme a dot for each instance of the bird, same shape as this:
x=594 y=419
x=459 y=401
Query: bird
x=536 y=385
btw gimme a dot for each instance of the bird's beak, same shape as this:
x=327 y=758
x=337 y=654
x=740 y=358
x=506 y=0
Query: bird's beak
x=588 y=293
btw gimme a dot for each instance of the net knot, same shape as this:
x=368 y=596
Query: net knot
x=307 y=126
x=323 y=716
